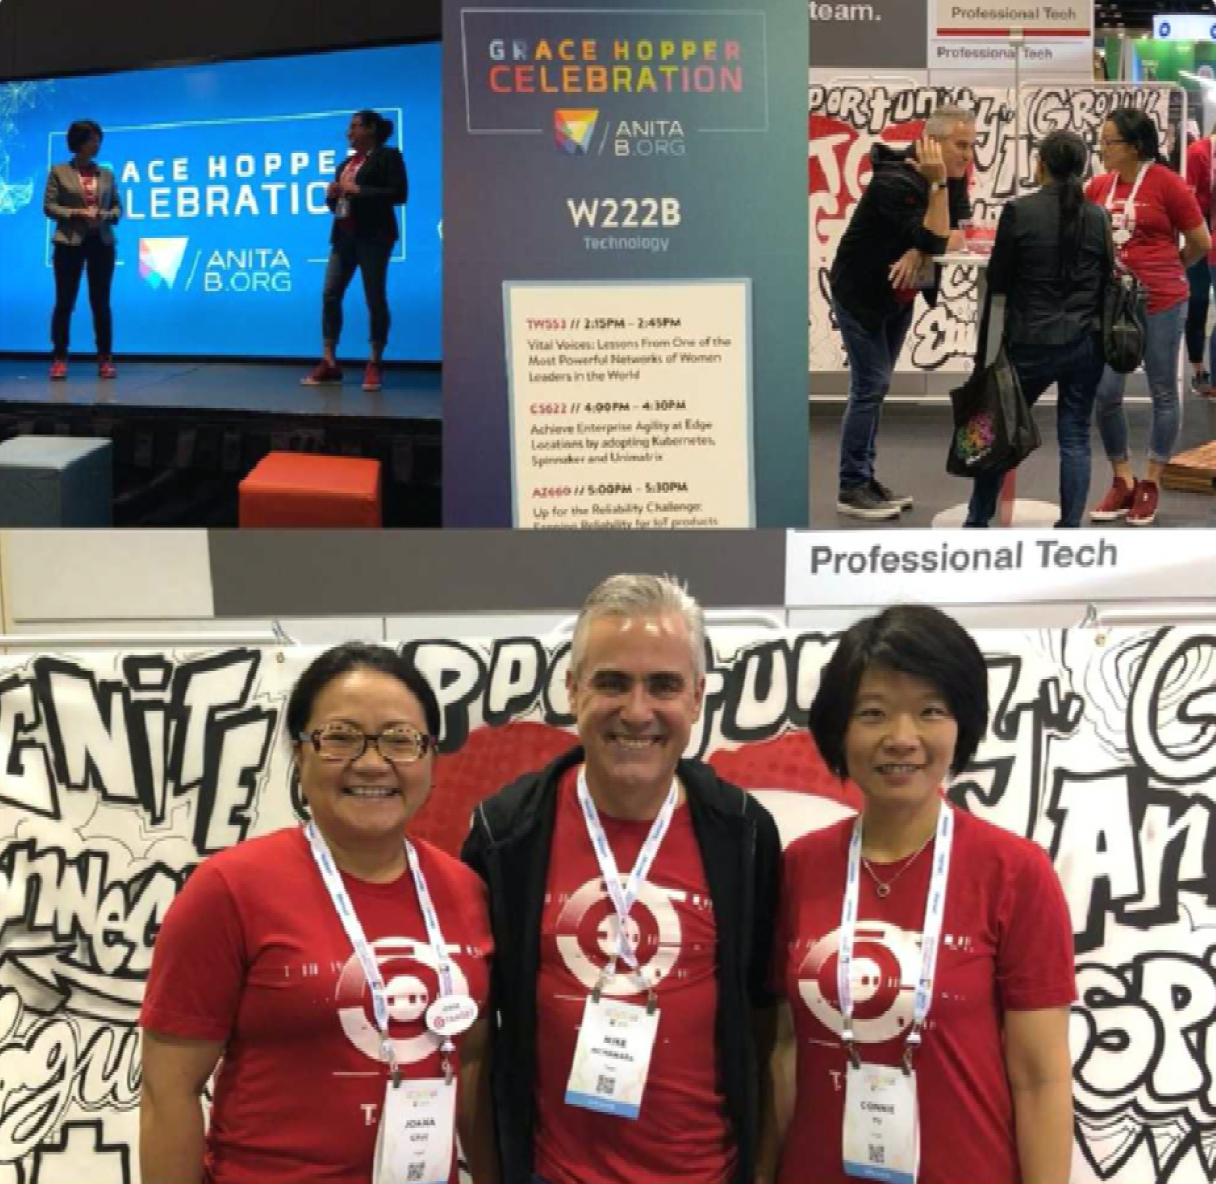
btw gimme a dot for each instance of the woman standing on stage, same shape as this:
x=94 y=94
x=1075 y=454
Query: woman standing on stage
x=926 y=956
x=365 y=190
x=340 y=970
x=82 y=200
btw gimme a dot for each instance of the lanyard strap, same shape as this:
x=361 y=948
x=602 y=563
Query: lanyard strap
x=1129 y=206
x=345 y=909
x=935 y=909
x=624 y=895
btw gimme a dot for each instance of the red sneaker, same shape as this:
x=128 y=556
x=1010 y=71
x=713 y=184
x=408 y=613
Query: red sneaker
x=1117 y=502
x=323 y=374
x=1144 y=510
x=59 y=369
x=105 y=368
x=371 y=377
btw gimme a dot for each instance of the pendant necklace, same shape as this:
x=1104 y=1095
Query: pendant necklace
x=883 y=888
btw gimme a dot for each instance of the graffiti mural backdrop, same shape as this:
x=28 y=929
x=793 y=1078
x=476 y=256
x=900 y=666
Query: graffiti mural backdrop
x=119 y=772
x=846 y=120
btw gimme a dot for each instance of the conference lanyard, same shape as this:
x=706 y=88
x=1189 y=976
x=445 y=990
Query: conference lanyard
x=1129 y=206
x=935 y=908
x=624 y=896
x=354 y=931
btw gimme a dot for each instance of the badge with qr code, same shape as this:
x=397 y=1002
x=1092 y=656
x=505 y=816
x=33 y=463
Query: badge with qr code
x=881 y=1124
x=612 y=1057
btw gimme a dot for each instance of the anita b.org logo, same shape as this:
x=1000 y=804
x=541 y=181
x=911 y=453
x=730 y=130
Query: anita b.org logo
x=160 y=259
x=574 y=129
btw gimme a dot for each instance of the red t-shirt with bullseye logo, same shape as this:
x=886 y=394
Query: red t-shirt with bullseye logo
x=1006 y=946
x=1165 y=209
x=252 y=953
x=682 y=1135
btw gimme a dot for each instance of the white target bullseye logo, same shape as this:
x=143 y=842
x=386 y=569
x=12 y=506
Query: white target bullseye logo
x=886 y=962
x=411 y=981
x=588 y=935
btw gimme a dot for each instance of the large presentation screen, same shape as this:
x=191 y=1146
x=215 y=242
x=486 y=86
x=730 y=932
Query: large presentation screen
x=222 y=171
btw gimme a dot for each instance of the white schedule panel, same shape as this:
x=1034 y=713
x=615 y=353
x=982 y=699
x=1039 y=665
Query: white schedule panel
x=631 y=404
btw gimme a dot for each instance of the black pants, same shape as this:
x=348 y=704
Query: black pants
x=1200 y=279
x=70 y=265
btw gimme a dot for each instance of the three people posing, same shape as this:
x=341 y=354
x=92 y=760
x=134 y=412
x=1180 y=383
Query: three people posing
x=611 y=958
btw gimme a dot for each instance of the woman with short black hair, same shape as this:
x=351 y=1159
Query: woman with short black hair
x=365 y=189
x=926 y=956
x=1053 y=257
x=1151 y=208
x=82 y=199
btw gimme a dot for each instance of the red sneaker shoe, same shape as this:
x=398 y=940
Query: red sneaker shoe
x=105 y=368
x=59 y=369
x=1144 y=509
x=323 y=374
x=1117 y=502
x=371 y=377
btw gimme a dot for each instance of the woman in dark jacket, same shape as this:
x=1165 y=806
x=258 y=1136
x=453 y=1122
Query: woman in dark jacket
x=1052 y=256
x=365 y=189
x=82 y=200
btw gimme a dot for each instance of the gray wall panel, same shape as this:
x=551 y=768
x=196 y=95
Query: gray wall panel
x=313 y=573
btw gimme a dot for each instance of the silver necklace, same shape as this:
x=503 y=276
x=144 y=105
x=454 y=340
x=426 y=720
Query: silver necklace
x=883 y=887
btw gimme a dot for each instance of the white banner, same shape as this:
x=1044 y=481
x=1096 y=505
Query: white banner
x=1002 y=18
x=119 y=772
x=844 y=569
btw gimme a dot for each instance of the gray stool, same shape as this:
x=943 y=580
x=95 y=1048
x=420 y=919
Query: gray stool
x=55 y=481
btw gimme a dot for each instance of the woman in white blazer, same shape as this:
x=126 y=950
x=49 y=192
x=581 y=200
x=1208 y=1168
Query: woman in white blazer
x=82 y=200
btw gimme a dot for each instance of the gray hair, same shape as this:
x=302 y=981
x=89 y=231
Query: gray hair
x=630 y=595
x=941 y=123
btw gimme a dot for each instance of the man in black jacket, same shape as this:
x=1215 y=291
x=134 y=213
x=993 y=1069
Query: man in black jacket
x=905 y=217
x=632 y=1022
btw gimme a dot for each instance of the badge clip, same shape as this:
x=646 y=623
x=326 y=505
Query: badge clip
x=851 y=1048
x=913 y=1043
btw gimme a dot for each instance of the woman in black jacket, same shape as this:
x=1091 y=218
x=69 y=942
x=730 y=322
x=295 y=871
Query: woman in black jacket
x=1052 y=257
x=365 y=189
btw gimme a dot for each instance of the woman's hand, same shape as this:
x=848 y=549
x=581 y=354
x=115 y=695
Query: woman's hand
x=906 y=268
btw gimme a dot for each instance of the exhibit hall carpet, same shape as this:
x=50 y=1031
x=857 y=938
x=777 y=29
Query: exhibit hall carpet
x=912 y=460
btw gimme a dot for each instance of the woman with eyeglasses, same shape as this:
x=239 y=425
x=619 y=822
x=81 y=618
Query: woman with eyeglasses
x=925 y=955
x=1150 y=209
x=336 y=973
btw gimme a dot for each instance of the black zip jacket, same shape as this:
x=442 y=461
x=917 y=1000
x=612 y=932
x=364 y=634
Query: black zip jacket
x=1048 y=303
x=887 y=222
x=508 y=846
x=383 y=184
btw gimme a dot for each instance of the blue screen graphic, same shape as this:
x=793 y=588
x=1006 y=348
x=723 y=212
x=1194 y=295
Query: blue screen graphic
x=222 y=171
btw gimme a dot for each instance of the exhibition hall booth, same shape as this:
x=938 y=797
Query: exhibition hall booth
x=875 y=82
x=141 y=730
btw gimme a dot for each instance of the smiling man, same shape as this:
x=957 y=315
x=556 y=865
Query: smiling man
x=629 y=1019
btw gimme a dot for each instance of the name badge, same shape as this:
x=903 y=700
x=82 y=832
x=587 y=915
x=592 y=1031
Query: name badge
x=612 y=1057
x=881 y=1124
x=342 y=208
x=415 y=1142
x=926 y=277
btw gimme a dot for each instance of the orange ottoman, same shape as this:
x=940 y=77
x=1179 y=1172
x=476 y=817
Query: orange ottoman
x=295 y=489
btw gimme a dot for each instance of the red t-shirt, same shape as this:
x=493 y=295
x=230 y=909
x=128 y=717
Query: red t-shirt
x=1199 y=179
x=1165 y=209
x=1006 y=945
x=252 y=952
x=683 y=1133
x=349 y=171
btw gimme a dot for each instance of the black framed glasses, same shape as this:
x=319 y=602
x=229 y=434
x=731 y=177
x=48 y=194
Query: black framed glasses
x=400 y=745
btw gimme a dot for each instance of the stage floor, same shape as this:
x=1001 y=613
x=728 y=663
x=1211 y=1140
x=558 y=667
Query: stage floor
x=207 y=388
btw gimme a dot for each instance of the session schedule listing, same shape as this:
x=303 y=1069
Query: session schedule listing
x=630 y=404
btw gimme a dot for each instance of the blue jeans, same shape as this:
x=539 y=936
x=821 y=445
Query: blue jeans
x=370 y=257
x=1075 y=369
x=872 y=357
x=1165 y=330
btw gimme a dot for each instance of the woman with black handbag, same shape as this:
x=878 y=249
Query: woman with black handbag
x=1051 y=259
x=1151 y=208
